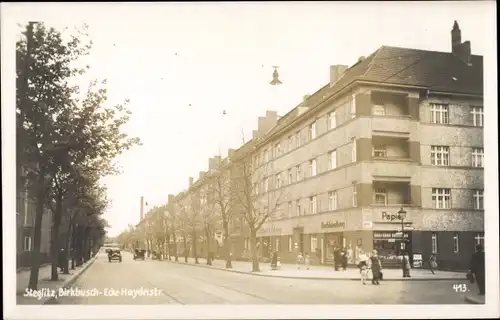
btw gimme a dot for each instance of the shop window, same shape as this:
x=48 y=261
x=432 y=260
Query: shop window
x=434 y=243
x=290 y=243
x=314 y=243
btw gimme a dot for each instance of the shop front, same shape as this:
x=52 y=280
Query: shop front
x=390 y=247
x=268 y=239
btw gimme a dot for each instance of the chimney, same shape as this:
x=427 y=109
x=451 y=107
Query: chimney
x=191 y=179
x=336 y=72
x=217 y=161
x=202 y=173
x=304 y=100
x=230 y=153
x=255 y=134
x=170 y=199
x=461 y=50
x=361 y=58
x=456 y=38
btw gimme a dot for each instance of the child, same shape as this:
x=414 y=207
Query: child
x=300 y=260
x=307 y=260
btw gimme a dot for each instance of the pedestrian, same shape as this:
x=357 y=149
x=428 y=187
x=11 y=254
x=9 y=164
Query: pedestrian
x=376 y=268
x=274 y=261
x=344 y=259
x=477 y=268
x=432 y=263
x=336 y=258
x=406 y=266
x=363 y=267
x=300 y=260
x=307 y=260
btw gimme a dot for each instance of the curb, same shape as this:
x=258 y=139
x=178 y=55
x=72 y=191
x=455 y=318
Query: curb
x=473 y=300
x=304 y=278
x=72 y=279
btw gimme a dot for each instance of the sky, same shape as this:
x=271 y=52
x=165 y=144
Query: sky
x=182 y=65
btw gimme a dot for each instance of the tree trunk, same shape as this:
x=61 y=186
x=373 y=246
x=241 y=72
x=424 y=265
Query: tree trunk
x=73 y=247
x=175 y=248
x=227 y=246
x=209 y=253
x=37 y=235
x=68 y=248
x=253 y=245
x=55 y=239
x=195 y=253
x=185 y=248
x=168 y=248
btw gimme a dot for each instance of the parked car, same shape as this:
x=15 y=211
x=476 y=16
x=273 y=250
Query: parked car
x=114 y=254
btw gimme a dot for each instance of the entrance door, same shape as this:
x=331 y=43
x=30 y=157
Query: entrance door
x=301 y=242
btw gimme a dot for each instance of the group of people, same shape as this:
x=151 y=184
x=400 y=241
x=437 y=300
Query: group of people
x=372 y=263
x=341 y=258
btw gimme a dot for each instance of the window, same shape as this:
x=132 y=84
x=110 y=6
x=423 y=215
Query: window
x=278 y=180
x=277 y=150
x=479 y=199
x=381 y=196
x=313 y=205
x=331 y=120
x=441 y=198
x=477 y=116
x=297 y=139
x=477 y=157
x=27 y=244
x=290 y=176
x=378 y=110
x=353 y=150
x=434 y=243
x=332 y=200
x=479 y=239
x=456 y=247
x=297 y=203
x=353 y=106
x=380 y=151
x=290 y=243
x=312 y=167
x=440 y=156
x=289 y=208
x=290 y=143
x=332 y=157
x=354 y=195
x=312 y=130
x=266 y=156
x=277 y=244
x=439 y=113
x=314 y=243
x=298 y=173
x=266 y=184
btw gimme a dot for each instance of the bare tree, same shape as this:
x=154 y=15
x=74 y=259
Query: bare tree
x=258 y=198
x=194 y=221
x=208 y=217
x=220 y=183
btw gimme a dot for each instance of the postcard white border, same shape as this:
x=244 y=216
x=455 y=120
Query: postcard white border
x=13 y=13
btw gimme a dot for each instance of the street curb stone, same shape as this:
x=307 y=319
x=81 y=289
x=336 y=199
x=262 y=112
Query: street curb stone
x=18 y=270
x=72 y=279
x=473 y=300
x=304 y=278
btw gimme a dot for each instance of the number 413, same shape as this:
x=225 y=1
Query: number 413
x=460 y=287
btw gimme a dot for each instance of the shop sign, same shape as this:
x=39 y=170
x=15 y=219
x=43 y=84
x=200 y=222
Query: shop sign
x=367 y=225
x=388 y=235
x=332 y=224
x=391 y=216
x=271 y=229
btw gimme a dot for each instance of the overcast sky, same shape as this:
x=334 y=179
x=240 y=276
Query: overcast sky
x=181 y=65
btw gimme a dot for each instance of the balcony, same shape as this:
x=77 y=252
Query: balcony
x=391 y=194
x=390 y=114
x=390 y=148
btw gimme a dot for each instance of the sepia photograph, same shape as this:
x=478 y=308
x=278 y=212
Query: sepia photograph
x=246 y=160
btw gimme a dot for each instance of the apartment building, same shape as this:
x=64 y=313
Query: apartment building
x=402 y=128
x=25 y=213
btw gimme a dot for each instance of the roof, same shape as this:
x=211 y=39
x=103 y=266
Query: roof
x=433 y=70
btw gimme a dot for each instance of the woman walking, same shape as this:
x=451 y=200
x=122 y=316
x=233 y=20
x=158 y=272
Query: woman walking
x=376 y=267
x=432 y=263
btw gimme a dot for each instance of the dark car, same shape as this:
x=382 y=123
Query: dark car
x=114 y=254
x=139 y=254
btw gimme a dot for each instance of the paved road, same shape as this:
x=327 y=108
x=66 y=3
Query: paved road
x=181 y=284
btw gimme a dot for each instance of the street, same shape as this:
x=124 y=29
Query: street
x=182 y=284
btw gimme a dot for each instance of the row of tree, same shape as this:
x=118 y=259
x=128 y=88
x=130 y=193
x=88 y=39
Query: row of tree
x=228 y=194
x=66 y=142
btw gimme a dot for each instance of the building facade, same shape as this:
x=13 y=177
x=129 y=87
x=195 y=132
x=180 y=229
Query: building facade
x=363 y=147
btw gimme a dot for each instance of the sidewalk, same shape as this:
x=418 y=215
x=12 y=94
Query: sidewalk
x=45 y=285
x=322 y=272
